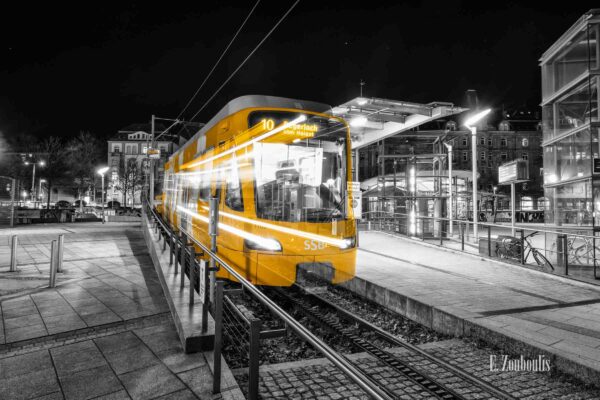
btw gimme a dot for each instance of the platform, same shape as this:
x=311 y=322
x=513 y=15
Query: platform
x=519 y=310
x=104 y=330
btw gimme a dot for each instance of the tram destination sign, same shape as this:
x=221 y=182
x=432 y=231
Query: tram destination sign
x=513 y=172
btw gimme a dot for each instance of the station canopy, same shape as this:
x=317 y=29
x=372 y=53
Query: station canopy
x=373 y=119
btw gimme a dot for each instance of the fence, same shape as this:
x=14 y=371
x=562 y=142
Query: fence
x=568 y=250
x=182 y=251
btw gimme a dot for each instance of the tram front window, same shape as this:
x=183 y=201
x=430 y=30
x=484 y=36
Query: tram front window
x=304 y=180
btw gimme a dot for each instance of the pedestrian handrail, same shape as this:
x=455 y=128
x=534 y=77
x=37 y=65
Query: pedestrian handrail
x=385 y=214
x=338 y=360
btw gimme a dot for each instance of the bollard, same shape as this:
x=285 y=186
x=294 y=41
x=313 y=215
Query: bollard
x=53 y=258
x=61 y=245
x=423 y=229
x=489 y=241
x=369 y=225
x=13 y=253
x=462 y=236
x=192 y=272
x=218 y=333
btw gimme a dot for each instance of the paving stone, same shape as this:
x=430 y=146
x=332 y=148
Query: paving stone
x=76 y=357
x=198 y=380
x=131 y=358
x=90 y=383
x=150 y=382
x=180 y=395
x=24 y=364
x=29 y=386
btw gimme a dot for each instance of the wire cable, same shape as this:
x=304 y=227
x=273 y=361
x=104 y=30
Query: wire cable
x=219 y=60
x=246 y=59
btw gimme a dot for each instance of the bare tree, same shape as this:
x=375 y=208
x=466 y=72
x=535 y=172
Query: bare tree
x=130 y=179
x=55 y=170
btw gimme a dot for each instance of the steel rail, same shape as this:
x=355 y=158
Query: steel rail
x=339 y=361
x=394 y=340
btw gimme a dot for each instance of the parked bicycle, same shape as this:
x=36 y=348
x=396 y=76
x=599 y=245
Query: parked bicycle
x=510 y=247
x=580 y=250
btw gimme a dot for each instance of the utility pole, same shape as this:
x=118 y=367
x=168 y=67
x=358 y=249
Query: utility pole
x=151 y=163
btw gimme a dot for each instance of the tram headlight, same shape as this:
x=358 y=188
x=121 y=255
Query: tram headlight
x=263 y=244
x=349 y=242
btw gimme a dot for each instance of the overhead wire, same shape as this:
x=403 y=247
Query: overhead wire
x=245 y=60
x=219 y=60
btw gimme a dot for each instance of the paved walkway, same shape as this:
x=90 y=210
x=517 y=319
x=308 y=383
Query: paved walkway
x=549 y=313
x=104 y=330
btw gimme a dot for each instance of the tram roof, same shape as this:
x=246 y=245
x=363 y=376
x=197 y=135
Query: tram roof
x=385 y=118
x=259 y=101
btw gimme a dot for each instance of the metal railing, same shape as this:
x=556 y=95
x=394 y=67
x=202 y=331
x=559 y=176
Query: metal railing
x=218 y=262
x=568 y=250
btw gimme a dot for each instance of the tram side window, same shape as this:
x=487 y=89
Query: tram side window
x=233 y=191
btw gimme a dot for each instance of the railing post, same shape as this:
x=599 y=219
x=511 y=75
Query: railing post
x=61 y=246
x=171 y=250
x=522 y=233
x=489 y=240
x=253 y=359
x=204 y=290
x=423 y=229
x=192 y=274
x=565 y=253
x=165 y=240
x=213 y=230
x=218 y=339
x=462 y=236
x=441 y=229
x=182 y=259
x=13 y=253
x=53 y=251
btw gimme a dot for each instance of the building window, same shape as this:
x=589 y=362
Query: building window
x=525 y=142
x=504 y=126
x=525 y=156
x=490 y=142
x=465 y=142
x=482 y=156
x=144 y=149
x=503 y=142
x=465 y=156
x=503 y=156
x=490 y=156
x=482 y=141
x=116 y=148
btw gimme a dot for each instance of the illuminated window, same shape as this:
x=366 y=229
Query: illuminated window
x=504 y=126
x=233 y=194
x=525 y=142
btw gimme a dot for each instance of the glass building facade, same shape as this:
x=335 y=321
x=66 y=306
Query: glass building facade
x=571 y=131
x=570 y=80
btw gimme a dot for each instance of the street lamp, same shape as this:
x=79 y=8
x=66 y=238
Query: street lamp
x=469 y=123
x=451 y=213
x=101 y=172
x=40 y=189
x=42 y=163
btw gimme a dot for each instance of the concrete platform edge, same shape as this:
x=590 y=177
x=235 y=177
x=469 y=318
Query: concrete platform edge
x=192 y=340
x=450 y=324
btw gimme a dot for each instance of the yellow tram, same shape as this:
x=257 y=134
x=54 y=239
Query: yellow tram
x=281 y=170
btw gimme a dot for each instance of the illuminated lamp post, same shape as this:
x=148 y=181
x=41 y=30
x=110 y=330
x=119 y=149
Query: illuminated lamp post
x=469 y=123
x=101 y=172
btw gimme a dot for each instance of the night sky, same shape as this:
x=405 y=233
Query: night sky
x=97 y=67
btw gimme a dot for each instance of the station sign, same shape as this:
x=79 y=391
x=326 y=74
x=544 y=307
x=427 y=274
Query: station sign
x=154 y=153
x=512 y=172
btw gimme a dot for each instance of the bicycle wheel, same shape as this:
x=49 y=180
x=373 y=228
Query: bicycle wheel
x=584 y=255
x=541 y=260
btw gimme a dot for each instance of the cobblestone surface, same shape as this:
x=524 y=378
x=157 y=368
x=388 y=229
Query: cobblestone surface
x=318 y=379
